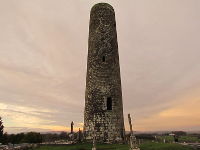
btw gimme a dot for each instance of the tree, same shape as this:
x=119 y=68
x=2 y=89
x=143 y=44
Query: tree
x=179 y=133
x=5 y=138
x=1 y=130
x=33 y=137
x=63 y=136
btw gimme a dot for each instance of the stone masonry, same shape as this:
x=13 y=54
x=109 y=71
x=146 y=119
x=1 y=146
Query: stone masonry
x=103 y=113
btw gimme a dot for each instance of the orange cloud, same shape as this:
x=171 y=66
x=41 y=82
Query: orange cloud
x=184 y=114
x=60 y=128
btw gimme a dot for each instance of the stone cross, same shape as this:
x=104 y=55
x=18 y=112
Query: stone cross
x=130 y=124
x=79 y=135
x=94 y=138
x=72 y=127
x=133 y=142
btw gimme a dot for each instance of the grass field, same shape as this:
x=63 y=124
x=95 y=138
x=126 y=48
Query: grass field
x=187 y=138
x=85 y=147
x=163 y=146
x=146 y=146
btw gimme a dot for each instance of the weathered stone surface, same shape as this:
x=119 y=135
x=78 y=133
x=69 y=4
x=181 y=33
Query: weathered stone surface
x=103 y=95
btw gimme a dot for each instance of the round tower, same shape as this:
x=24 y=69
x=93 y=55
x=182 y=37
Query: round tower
x=103 y=113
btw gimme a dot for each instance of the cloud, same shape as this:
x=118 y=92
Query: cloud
x=43 y=53
x=182 y=115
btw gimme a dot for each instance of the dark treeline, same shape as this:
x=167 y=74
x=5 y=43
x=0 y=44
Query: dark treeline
x=30 y=137
x=51 y=137
x=179 y=133
x=195 y=135
x=145 y=136
x=34 y=137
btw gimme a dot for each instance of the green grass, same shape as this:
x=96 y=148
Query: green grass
x=163 y=146
x=85 y=147
x=168 y=139
x=146 y=146
x=187 y=138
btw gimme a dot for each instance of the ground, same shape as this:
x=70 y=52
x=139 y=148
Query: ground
x=146 y=146
x=163 y=146
x=187 y=138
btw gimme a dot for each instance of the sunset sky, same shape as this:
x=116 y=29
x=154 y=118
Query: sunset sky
x=43 y=54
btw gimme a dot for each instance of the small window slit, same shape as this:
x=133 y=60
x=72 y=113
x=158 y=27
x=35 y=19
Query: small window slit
x=109 y=103
x=103 y=58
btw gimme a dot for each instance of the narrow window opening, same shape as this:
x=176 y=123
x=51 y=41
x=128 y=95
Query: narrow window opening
x=109 y=103
x=103 y=58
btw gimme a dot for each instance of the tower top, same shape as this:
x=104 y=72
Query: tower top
x=102 y=6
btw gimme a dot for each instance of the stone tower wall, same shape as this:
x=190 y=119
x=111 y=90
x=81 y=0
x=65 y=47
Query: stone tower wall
x=103 y=95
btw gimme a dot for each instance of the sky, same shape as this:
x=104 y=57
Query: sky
x=43 y=55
